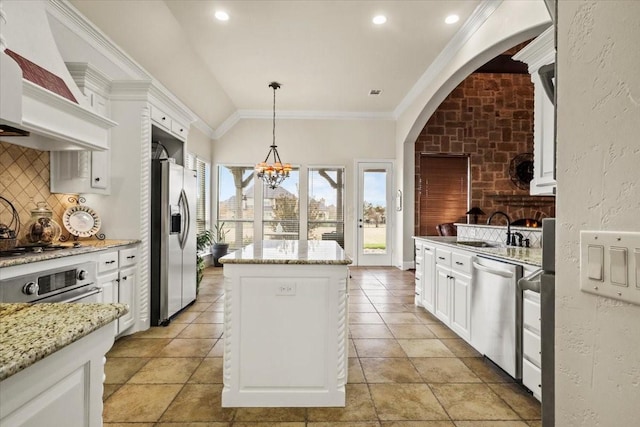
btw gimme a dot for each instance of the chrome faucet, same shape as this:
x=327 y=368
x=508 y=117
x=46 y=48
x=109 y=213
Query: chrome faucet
x=508 y=223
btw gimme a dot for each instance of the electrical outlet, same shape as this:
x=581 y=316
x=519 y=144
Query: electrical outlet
x=286 y=290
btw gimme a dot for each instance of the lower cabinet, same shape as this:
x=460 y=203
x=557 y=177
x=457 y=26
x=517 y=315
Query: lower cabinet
x=117 y=276
x=531 y=348
x=453 y=291
x=425 y=278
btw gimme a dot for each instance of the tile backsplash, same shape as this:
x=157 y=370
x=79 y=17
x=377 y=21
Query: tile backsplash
x=497 y=234
x=24 y=181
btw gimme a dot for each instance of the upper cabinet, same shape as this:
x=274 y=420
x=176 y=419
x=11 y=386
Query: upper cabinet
x=540 y=56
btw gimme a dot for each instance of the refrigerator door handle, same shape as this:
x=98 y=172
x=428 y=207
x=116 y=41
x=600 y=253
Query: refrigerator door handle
x=184 y=203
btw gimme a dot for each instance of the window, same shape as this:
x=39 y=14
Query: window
x=203 y=173
x=325 y=207
x=236 y=204
x=281 y=210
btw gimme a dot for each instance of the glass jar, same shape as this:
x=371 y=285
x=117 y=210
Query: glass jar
x=42 y=229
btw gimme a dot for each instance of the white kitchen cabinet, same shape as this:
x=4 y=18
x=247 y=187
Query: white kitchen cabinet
x=442 y=307
x=531 y=345
x=428 y=276
x=169 y=124
x=117 y=276
x=419 y=250
x=540 y=52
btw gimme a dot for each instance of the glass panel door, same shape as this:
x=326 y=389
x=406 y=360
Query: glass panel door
x=374 y=213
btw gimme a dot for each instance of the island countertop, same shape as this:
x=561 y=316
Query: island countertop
x=315 y=252
x=531 y=256
x=31 y=332
x=81 y=247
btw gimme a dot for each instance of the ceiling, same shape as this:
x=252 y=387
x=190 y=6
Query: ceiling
x=327 y=55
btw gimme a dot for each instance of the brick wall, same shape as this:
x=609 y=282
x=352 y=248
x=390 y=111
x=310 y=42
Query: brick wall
x=490 y=118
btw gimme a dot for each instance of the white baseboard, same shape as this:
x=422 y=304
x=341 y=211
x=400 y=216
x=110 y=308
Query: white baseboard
x=407 y=265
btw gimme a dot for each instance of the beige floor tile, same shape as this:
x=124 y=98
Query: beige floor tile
x=209 y=371
x=441 y=331
x=138 y=347
x=491 y=424
x=118 y=370
x=444 y=370
x=348 y=424
x=390 y=300
x=391 y=308
x=372 y=285
x=355 y=374
x=270 y=414
x=170 y=331
x=399 y=318
x=417 y=424
x=268 y=424
x=425 y=348
x=359 y=407
x=460 y=347
x=365 y=318
x=202 y=330
x=109 y=389
x=370 y=331
x=410 y=331
x=128 y=424
x=352 y=349
x=175 y=370
x=198 y=402
x=198 y=306
x=406 y=402
x=486 y=370
x=378 y=348
x=359 y=299
x=139 y=403
x=187 y=348
x=383 y=292
x=361 y=308
x=520 y=400
x=389 y=370
x=217 y=306
x=213 y=424
x=472 y=402
x=185 y=317
x=535 y=423
x=210 y=317
x=218 y=349
x=410 y=291
x=427 y=318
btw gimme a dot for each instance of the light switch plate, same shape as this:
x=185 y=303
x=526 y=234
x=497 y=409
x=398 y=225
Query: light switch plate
x=621 y=264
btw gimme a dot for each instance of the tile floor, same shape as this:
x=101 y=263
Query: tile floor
x=406 y=369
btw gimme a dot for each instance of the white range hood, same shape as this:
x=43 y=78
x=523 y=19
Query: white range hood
x=31 y=113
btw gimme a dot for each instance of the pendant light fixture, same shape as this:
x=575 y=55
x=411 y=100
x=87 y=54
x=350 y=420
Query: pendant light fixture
x=273 y=173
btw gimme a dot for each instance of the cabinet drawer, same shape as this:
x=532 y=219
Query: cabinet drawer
x=108 y=261
x=443 y=257
x=160 y=117
x=128 y=257
x=531 y=346
x=179 y=129
x=531 y=311
x=532 y=378
x=461 y=263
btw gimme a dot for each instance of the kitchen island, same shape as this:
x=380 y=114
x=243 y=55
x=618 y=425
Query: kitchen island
x=52 y=362
x=285 y=324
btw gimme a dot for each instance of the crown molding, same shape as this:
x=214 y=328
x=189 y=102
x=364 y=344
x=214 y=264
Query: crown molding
x=466 y=31
x=539 y=52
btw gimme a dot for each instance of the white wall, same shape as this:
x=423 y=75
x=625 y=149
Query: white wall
x=311 y=142
x=199 y=144
x=598 y=171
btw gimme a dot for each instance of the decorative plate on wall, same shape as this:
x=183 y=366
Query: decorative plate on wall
x=521 y=170
x=81 y=221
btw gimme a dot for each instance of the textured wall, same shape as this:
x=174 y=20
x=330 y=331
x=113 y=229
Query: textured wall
x=597 y=339
x=490 y=118
x=24 y=181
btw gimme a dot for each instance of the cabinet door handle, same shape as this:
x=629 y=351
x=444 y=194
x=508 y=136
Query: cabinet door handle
x=441 y=257
x=164 y=118
x=131 y=257
x=427 y=249
x=97 y=179
x=459 y=263
x=124 y=278
x=109 y=262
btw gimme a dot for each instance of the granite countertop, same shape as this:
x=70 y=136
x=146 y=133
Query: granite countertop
x=317 y=252
x=31 y=332
x=531 y=256
x=86 y=246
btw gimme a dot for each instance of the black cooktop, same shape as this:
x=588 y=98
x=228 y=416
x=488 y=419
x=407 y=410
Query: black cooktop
x=25 y=250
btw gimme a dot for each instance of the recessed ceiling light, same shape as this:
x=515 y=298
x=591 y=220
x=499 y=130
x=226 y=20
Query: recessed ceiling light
x=222 y=15
x=452 y=19
x=379 y=19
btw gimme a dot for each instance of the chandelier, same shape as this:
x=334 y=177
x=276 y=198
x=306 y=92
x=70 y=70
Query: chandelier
x=273 y=173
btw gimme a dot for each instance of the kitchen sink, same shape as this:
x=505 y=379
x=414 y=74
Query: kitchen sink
x=478 y=244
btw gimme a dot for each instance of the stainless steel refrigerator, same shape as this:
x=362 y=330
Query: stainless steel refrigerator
x=173 y=239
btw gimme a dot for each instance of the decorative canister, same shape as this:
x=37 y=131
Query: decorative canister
x=42 y=229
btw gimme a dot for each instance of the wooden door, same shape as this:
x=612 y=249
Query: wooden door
x=444 y=191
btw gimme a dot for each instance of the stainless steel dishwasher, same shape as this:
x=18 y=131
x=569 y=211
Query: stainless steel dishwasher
x=494 y=318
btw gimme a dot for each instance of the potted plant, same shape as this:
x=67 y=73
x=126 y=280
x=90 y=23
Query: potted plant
x=204 y=240
x=220 y=247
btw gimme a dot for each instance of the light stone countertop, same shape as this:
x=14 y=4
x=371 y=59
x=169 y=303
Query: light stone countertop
x=531 y=256
x=31 y=332
x=316 y=252
x=86 y=246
